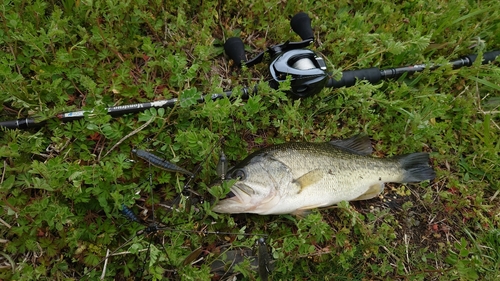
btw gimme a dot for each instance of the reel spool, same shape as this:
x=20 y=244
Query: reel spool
x=307 y=71
x=306 y=68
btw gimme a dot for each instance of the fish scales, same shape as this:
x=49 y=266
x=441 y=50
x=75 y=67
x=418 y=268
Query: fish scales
x=337 y=171
x=293 y=177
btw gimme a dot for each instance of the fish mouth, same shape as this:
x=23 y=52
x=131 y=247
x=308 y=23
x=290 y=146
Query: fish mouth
x=229 y=195
x=239 y=192
x=236 y=201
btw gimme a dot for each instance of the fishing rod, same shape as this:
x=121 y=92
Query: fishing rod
x=114 y=111
x=290 y=60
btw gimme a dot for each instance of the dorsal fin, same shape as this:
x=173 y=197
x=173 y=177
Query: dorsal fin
x=359 y=144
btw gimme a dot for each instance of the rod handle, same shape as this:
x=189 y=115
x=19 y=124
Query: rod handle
x=487 y=57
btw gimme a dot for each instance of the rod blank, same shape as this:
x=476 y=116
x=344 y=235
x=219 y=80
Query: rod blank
x=114 y=111
x=375 y=75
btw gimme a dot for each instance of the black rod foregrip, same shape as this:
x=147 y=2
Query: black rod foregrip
x=374 y=74
x=301 y=24
x=487 y=58
x=349 y=78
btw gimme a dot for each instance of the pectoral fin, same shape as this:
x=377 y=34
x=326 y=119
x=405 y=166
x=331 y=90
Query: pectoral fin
x=308 y=179
x=372 y=191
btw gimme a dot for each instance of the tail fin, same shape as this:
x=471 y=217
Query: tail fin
x=416 y=166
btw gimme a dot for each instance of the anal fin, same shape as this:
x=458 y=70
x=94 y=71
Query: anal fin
x=306 y=210
x=301 y=213
x=372 y=191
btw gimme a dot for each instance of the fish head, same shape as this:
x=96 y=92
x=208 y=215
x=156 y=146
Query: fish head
x=257 y=186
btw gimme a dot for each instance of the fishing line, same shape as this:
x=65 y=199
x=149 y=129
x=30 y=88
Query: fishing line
x=304 y=64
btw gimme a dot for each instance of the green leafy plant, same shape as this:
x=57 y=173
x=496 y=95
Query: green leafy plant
x=63 y=186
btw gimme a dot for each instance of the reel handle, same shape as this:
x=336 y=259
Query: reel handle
x=235 y=50
x=301 y=24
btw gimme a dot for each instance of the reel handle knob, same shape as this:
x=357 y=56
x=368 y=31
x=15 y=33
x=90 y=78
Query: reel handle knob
x=301 y=24
x=235 y=50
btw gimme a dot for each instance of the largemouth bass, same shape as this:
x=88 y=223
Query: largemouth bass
x=294 y=177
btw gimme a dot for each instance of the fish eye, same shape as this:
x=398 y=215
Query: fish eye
x=239 y=174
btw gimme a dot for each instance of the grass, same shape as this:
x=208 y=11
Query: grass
x=62 y=186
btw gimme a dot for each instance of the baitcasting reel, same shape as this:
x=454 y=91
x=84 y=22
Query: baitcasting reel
x=306 y=68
